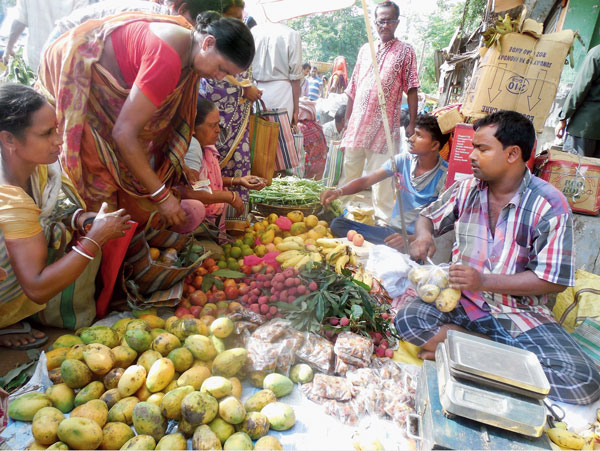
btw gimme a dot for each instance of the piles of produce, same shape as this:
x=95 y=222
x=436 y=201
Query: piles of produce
x=290 y=191
x=144 y=372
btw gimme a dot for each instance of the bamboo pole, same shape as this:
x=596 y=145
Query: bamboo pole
x=386 y=122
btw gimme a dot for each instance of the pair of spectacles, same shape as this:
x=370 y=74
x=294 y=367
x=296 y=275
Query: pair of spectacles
x=381 y=23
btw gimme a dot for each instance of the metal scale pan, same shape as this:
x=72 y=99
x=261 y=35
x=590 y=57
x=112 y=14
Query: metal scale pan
x=495 y=365
x=505 y=410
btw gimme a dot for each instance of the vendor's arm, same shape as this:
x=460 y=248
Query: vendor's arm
x=216 y=197
x=354 y=186
x=28 y=257
x=296 y=88
x=136 y=112
x=526 y=283
x=422 y=246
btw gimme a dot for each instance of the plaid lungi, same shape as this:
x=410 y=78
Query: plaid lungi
x=573 y=376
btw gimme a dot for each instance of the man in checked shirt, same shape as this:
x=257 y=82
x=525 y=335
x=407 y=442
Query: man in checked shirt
x=513 y=246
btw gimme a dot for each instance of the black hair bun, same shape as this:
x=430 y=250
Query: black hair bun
x=206 y=18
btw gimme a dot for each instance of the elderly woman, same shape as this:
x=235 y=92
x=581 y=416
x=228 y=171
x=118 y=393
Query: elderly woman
x=125 y=93
x=29 y=184
x=233 y=97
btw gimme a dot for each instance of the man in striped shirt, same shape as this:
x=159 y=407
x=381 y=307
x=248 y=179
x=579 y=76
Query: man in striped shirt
x=513 y=246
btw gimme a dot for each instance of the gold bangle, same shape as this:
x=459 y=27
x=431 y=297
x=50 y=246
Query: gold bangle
x=233 y=196
x=91 y=240
x=163 y=199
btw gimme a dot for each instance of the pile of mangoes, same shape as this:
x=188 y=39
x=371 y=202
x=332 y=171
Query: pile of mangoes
x=143 y=372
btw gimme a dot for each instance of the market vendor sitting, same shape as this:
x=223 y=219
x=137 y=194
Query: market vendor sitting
x=204 y=158
x=513 y=246
x=423 y=173
x=30 y=188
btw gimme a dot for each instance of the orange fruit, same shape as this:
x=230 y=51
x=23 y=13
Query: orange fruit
x=154 y=253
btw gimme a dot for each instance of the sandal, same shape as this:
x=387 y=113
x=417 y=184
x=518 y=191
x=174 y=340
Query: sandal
x=26 y=329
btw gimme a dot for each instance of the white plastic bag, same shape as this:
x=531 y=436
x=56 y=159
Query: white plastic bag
x=391 y=268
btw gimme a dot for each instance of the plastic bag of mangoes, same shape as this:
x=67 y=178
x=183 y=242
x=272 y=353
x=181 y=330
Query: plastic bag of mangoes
x=432 y=285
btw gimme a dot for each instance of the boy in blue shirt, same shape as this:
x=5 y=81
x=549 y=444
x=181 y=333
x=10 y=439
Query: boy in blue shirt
x=421 y=174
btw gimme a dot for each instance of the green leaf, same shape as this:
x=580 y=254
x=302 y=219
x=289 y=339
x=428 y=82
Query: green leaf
x=361 y=284
x=207 y=282
x=320 y=310
x=219 y=284
x=228 y=274
x=356 y=311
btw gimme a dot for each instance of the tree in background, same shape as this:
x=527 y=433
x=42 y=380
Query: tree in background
x=436 y=31
x=325 y=36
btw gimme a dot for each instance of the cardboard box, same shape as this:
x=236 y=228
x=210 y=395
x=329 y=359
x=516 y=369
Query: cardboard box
x=523 y=76
x=449 y=119
x=577 y=177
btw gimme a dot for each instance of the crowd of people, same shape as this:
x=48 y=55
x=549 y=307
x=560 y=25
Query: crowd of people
x=149 y=105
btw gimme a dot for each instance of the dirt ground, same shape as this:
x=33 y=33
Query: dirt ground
x=12 y=358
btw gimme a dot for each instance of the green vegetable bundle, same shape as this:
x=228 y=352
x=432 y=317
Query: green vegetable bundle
x=290 y=191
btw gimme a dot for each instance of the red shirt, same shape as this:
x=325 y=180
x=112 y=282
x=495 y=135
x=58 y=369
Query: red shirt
x=146 y=60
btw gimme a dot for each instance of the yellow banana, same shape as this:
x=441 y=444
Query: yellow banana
x=303 y=261
x=358 y=275
x=327 y=242
x=367 y=279
x=286 y=255
x=295 y=239
x=292 y=261
x=289 y=246
x=336 y=252
x=589 y=443
x=566 y=439
x=316 y=257
x=341 y=263
x=353 y=260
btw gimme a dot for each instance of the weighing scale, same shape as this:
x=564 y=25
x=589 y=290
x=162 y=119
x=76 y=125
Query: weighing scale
x=497 y=406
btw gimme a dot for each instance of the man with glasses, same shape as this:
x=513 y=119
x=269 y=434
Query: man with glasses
x=364 y=142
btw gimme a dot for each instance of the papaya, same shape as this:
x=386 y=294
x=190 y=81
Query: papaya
x=205 y=439
x=111 y=379
x=122 y=411
x=221 y=428
x=182 y=359
x=278 y=384
x=201 y=347
x=281 y=416
x=172 y=442
x=75 y=373
x=160 y=375
x=238 y=441
x=93 y=390
x=25 y=407
x=62 y=397
x=80 y=433
x=115 y=435
x=199 y=408
x=55 y=357
x=165 y=343
x=138 y=324
x=66 y=341
x=111 y=397
x=255 y=424
x=131 y=380
x=258 y=400
x=229 y=362
x=138 y=339
x=268 y=443
x=140 y=442
x=100 y=334
x=195 y=377
x=148 y=420
x=45 y=425
x=232 y=410
x=217 y=386
x=124 y=356
x=170 y=404
x=96 y=410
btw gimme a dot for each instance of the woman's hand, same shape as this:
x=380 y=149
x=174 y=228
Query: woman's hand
x=252 y=93
x=236 y=202
x=252 y=182
x=171 y=212
x=109 y=225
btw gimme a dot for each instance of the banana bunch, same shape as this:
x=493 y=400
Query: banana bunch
x=363 y=276
x=336 y=254
x=566 y=439
x=503 y=25
x=293 y=253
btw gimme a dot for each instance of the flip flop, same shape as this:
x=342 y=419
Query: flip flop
x=26 y=329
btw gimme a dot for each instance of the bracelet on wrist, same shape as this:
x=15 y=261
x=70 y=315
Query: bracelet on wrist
x=85 y=249
x=80 y=252
x=161 y=196
x=339 y=192
x=75 y=217
x=93 y=241
x=164 y=198
x=158 y=191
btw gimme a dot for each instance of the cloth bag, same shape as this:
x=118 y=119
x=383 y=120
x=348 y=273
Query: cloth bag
x=287 y=156
x=263 y=135
x=577 y=303
x=333 y=164
x=75 y=306
x=299 y=170
x=150 y=276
